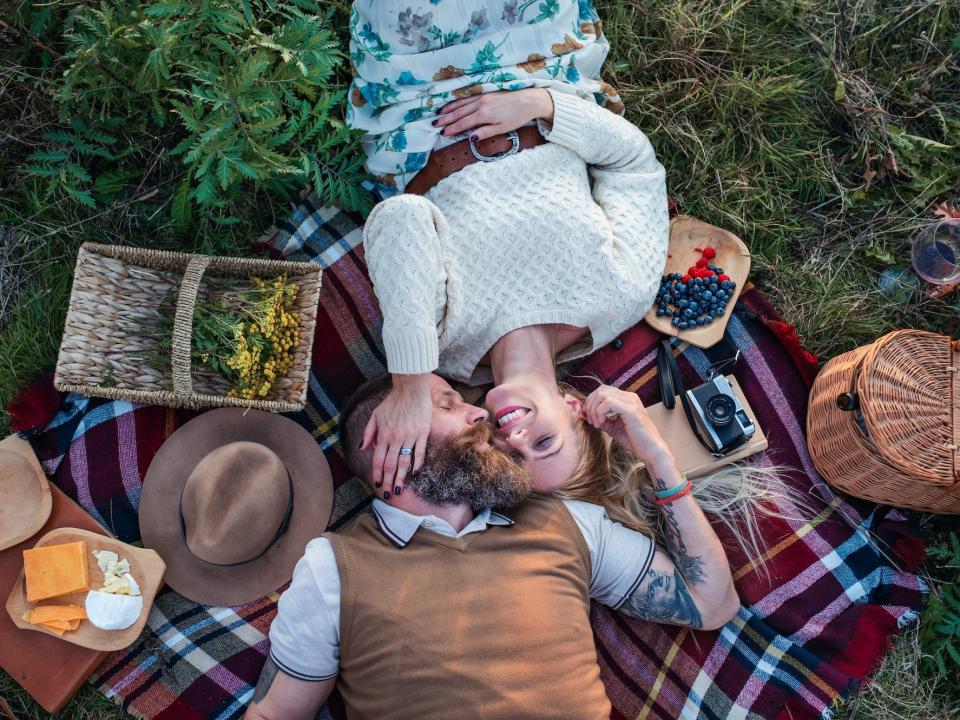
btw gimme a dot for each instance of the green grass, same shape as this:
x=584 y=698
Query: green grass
x=770 y=116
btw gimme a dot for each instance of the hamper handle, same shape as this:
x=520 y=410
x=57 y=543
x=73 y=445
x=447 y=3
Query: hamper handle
x=183 y=323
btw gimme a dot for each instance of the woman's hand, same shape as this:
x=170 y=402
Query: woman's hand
x=621 y=415
x=402 y=421
x=494 y=113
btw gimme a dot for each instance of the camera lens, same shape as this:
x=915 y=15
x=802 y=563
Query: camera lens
x=720 y=410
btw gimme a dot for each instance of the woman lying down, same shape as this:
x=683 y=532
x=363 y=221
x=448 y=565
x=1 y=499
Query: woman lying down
x=533 y=231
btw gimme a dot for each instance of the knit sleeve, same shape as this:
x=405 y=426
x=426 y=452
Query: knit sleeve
x=629 y=183
x=402 y=242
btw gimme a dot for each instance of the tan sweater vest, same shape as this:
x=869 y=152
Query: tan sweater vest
x=493 y=625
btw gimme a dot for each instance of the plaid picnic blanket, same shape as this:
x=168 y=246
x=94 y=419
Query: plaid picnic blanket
x=843 y=574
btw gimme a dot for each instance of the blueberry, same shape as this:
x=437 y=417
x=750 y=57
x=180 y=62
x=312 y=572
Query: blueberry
x=726 y=285
x=687 y=313
x=712 y=267
x=659 y=312
x=707 y=295
x=708 y=318
x=668 y=312
x=667 y=297
x=676 y=321
x=694 y=307
x=682 y=325
x=718 y=271
x=712 y=287
x=701 y=321
x=683 y=302
x=682 y=289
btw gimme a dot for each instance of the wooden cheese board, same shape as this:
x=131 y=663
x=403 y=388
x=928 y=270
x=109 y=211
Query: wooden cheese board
x=146 y=567
x=687 y=235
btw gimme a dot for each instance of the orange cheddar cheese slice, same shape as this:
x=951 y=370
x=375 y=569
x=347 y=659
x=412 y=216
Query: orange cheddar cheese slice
x=61 y=625
x=56 y=613
x=56 y=570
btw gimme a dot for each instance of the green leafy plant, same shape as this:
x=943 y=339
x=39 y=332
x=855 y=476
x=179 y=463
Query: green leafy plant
x=64 y=159
x=940 y=631
x=241 y=92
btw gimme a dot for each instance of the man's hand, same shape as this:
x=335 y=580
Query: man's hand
x=495 y=113
x=401 y=422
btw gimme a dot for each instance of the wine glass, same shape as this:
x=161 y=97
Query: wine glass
x=936 y=252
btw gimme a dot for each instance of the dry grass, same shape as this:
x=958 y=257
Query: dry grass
x=900 y=690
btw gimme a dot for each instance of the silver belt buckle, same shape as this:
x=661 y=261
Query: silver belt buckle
x=514 y=149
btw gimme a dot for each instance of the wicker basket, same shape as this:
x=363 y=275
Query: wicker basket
x=883 y=421
x=116 y=296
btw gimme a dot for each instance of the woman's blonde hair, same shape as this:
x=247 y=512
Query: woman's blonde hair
x=735 y=495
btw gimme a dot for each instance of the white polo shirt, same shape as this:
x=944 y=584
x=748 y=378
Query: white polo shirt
x=305 y=635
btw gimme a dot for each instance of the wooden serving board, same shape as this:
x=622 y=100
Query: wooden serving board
x=12 y=528
x=687 y=234
x=146 y=567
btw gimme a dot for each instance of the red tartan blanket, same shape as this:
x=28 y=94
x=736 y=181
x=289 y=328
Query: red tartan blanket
x=788 y=653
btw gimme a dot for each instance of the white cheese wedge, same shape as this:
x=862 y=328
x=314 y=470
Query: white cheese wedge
x=112 y=612
x=134 y=588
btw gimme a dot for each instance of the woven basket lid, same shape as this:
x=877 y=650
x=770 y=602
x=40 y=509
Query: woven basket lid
x=908 y=392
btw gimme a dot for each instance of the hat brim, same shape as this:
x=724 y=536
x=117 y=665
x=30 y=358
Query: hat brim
x=210 y=584
x=25 y=498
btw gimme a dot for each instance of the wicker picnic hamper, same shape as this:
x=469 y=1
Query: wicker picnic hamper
x=117 y=292
x=883 y=421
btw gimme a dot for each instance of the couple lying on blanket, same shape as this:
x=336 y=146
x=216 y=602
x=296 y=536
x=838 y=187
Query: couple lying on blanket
x=462 y=593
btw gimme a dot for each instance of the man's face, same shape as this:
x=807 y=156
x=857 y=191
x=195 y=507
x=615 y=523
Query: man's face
x=451 y=414
x=467 y=469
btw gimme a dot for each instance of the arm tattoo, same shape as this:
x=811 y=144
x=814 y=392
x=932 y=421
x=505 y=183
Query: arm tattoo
x=267 y=676
x=664 y=599
x=690 y=566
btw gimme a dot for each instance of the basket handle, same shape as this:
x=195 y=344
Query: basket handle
x=183 y=323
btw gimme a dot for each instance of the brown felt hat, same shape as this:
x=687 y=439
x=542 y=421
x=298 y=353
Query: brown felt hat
x=25 y=500
x=230 y=501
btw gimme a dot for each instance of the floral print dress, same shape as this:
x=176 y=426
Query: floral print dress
x=409 y=60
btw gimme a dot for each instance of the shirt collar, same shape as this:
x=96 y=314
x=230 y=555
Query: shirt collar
x=399 y=525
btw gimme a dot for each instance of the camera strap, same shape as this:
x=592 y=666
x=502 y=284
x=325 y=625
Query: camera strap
x=671 y=385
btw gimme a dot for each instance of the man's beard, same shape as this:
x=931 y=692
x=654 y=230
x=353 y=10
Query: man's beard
x=454 y=471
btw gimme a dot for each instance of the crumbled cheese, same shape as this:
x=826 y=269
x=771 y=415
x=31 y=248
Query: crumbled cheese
x=117 y=579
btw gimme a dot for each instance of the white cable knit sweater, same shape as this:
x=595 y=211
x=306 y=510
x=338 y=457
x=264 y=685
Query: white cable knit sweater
x=522 y=241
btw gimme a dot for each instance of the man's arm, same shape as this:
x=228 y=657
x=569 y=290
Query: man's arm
x=683 y=586
x=279 y=696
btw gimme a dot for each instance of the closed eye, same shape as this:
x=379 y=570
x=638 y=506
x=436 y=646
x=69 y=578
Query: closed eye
x=544 y=442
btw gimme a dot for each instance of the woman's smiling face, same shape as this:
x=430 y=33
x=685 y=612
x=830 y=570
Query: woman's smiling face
x=537 y=425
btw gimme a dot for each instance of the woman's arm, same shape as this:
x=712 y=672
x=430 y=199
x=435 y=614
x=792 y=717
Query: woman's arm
x=402 y=242
x=689 y=582
x=629 y=183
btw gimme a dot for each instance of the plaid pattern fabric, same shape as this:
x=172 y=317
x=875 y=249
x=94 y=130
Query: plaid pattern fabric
x=845 y=573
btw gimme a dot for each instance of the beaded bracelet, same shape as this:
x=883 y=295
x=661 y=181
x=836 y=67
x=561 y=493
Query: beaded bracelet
x=673 y=493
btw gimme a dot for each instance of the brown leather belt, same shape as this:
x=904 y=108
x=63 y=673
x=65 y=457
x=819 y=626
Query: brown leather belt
x=452 y=158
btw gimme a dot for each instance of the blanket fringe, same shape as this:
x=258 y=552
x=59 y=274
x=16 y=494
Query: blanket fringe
x=907 y=618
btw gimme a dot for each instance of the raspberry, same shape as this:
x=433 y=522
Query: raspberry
x=701 y=263
x=686 y=278
x=721 y=278
x=709 y=253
